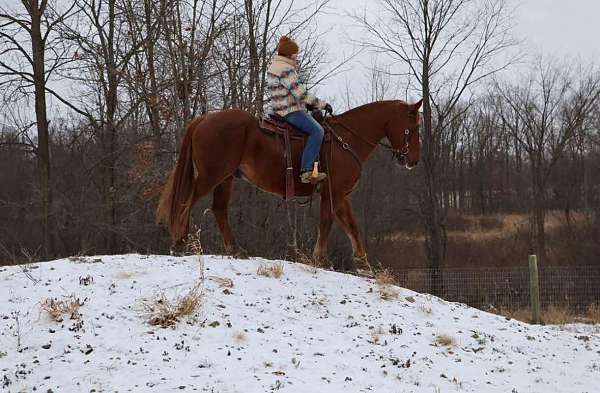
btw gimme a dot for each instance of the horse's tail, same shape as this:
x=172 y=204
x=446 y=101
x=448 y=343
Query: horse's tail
x=176 y=200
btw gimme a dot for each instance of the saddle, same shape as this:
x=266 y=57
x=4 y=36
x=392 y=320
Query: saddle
x=276 y=125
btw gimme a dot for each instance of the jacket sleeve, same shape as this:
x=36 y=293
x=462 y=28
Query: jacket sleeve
x=289 y=79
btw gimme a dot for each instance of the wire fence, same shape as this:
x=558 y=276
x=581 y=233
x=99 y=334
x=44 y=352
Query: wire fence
x=575 y=288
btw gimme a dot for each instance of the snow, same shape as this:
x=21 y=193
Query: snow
x=308 y=331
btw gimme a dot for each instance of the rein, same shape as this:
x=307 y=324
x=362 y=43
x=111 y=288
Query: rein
x=344 y=145
x=403 y=152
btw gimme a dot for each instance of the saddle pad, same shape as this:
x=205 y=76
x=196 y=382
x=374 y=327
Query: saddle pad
x=277 y=126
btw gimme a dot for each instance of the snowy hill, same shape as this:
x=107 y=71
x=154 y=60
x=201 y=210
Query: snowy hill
x=307 y=331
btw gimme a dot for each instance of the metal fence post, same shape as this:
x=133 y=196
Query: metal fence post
x=534 y=289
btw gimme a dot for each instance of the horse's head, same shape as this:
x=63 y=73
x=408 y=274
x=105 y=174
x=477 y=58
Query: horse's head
x=403 y=134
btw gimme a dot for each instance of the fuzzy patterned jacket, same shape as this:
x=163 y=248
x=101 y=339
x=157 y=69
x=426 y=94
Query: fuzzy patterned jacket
x=287 y=93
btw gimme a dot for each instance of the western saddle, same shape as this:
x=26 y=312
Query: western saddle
x=276 y=125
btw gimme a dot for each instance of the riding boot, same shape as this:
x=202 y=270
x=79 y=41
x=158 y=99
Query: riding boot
x=313 y=176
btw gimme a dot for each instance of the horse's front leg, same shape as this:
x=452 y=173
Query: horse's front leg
x=326 y=219
x=346 y=219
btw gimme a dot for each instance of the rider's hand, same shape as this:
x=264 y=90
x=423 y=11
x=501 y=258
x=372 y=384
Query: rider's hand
x=328 y=109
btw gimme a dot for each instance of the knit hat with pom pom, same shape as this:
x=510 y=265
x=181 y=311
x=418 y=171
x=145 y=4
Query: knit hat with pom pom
x=287 y=46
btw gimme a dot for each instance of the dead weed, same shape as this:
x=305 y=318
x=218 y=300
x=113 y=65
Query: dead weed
x=274 y=270
x=164 y=312
x=58 y=308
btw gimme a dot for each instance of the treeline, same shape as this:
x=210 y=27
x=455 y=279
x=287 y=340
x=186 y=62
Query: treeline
x=126 y=77
x=137 y=72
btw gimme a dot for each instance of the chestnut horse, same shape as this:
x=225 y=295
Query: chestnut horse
x=219 y=145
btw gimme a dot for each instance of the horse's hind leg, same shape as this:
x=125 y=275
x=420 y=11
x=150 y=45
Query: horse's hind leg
x=202 y=187
x=348 y=223
x=221 y=197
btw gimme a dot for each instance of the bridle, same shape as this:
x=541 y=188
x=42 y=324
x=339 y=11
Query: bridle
x=396 y=153
x=400 y=154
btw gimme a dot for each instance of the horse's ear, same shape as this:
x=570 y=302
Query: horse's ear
x=418 y=104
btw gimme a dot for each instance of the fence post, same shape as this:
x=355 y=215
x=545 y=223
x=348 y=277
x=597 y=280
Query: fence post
x=534 y=289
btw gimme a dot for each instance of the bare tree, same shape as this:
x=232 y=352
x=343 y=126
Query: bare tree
x=145 y=25
x=446 y=46
x=30 y=52
x=544 y=113
x=103 y=51
x=187 y=45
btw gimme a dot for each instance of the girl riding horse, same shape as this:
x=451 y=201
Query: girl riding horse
x=288 y=100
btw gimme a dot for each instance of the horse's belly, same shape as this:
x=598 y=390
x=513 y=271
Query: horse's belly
x=265 y=166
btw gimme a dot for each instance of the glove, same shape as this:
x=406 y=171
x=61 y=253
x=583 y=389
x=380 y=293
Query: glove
x=328 y=109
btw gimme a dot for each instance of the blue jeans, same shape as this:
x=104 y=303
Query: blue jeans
x=306 y=123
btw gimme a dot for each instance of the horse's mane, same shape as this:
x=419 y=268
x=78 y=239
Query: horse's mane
x=365 y=106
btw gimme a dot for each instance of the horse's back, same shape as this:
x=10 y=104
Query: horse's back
x=231 y=119
x=218 y=140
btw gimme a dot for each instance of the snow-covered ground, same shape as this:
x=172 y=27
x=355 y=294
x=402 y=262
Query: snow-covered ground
x=308 y=331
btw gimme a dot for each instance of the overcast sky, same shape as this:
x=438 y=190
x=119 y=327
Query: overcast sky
x=559 y=28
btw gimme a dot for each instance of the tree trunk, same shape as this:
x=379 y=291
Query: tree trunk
x=110 y=130
x=434 y=244
x=43 y=150
x=538 y=213
x=154 y=99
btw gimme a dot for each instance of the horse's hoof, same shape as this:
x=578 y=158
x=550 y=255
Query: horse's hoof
x=178 y=249
x=364 y=273
x=364 y=268
x=361 y=263
x=322 y=263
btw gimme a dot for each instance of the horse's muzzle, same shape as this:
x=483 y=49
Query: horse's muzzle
x=402 y=161
x=412 y=165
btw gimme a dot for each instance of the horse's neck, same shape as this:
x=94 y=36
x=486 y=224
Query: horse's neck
x=368 y=122
x=369 y=119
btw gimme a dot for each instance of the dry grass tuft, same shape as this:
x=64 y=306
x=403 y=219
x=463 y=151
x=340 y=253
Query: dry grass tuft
x=274 y=270
x=445 y=340
x=57 y=308
x=385 y=277
x=223 y=282
x=302 y=257
x=310 y=263
x=522 y=314
x=193 y=244
x=375 y=335
x=310 y=269
x=426 y=309
x=593 y=313
x=166 y=313
x=555 y=315
x=385 y=282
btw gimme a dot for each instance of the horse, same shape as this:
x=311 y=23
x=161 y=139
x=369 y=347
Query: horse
x=220 y=145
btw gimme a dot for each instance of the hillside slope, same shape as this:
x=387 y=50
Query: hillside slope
x=307 y=331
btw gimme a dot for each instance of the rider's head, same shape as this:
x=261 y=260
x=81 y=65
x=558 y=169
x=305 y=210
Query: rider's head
x=287 y=47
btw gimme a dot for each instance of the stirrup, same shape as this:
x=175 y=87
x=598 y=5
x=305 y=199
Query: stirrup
x=310 y=177
x=313 y=176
